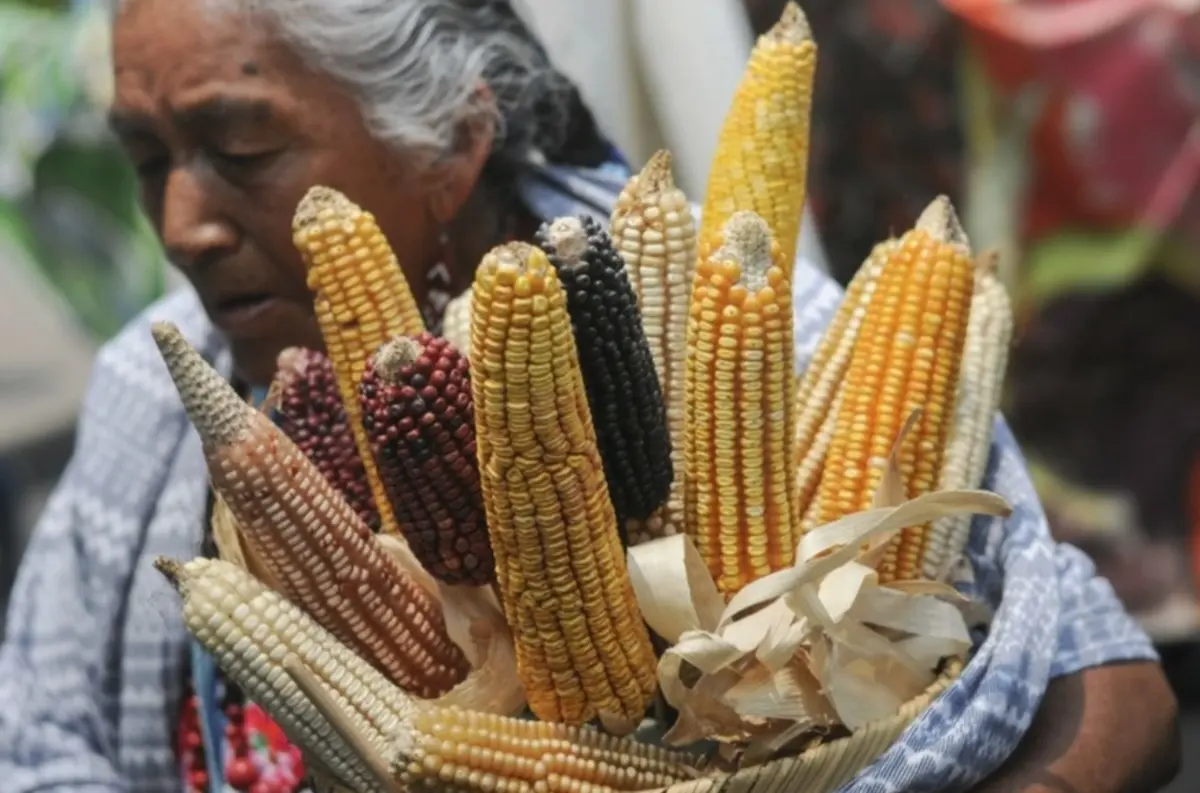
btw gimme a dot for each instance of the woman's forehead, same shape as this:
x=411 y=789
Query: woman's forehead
x=184 y=53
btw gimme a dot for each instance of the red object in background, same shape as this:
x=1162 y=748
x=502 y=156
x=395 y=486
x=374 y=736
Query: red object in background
x=1117 y=143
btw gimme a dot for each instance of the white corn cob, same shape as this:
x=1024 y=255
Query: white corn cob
x=817 y=394
x=456 y=322
x=980 y=385
x=251 y=631
x=654 y=230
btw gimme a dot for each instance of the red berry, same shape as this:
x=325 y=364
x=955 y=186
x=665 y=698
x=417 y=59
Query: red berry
x=198 y=779
x=241 y=773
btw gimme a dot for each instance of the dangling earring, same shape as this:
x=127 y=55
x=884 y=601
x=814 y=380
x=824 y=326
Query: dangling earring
x=438 y=283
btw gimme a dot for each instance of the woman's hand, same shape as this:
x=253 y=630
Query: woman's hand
x=1109 y=729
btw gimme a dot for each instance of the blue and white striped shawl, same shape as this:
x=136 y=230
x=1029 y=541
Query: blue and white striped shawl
x=91 y=674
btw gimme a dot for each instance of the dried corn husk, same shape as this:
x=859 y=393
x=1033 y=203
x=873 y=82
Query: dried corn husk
x=814 y=646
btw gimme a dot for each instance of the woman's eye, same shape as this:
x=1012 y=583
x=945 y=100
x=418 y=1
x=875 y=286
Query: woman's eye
x=242 y=159
x=149 y=167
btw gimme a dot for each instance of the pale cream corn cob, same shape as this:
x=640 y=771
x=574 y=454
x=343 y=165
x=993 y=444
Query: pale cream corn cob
x=980 y=384
x=250 y=630
x=653 y=228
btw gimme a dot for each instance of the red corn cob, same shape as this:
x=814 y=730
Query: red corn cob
x=311 y=414
x=418 y=414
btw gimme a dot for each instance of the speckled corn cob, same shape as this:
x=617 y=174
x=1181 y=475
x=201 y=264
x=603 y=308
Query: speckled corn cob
x=821 y=383
x=907 y=357
x=310 y=412
x=582 y=648
x=308 y=537
x=466 y=752
x=249 y=630
x=654 y=231
x=740 y=485
x=361 y=300
x=456 y=323
x=980 y=382
x=624 y=396
x=417 y=410
x=761 y=162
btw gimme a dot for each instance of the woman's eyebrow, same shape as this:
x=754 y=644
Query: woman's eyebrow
x=225 y=111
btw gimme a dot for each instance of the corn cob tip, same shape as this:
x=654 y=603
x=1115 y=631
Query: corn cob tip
x=988 y=262
x=171 y=569
x=792 y=27
x=655 y=176
x=394 y=356
x=318 y=201
x=521 y=257
x=569 y=239
x=214 y=408
x=940 y=221
x=747 y=241
x=290 y=366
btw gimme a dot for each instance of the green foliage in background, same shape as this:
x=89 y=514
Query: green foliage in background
x=67 y=196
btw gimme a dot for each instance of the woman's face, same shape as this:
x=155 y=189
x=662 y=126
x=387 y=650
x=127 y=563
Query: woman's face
x=228 y=130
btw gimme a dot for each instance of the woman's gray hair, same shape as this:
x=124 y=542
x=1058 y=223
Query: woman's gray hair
x=417 y=68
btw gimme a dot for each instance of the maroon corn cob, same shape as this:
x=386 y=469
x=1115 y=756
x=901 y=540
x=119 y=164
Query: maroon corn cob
x=310 y=412
x=418 y=414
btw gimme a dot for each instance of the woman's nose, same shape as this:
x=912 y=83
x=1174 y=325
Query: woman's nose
x=193 y=231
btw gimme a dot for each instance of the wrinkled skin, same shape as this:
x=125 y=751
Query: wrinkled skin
x=228 y=129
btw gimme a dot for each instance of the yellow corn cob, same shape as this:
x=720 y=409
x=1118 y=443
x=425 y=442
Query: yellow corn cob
x=582 y=648
x=308 y=537
x=250 y=630
x=907 y=357
x=740 y=486
x=456 y=323
x=980 y=381
x=653 y=228
x=361 y=300
x=449 y=749
x=761 y=162
x=821 y=383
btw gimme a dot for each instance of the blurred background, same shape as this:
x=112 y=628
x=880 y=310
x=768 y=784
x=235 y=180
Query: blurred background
x=1068 y=131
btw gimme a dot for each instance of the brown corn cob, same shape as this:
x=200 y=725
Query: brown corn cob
x=741 y=488
x=417 y=410
x=361 y=299
x=249 y=630
x=309 y=537
x=624 y=396
x=448 y=749
x=310 y=412
x=582 y=648
x=907 y=357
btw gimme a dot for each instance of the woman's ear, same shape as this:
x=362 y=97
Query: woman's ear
x=460 y=173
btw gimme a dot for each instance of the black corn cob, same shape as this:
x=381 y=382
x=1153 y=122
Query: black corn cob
x=418 y=414
x=310 y=412
x=622 y=385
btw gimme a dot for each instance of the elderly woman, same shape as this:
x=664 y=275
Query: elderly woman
x=445 y=118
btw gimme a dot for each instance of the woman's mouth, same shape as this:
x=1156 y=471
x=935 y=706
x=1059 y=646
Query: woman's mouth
x=243 y=313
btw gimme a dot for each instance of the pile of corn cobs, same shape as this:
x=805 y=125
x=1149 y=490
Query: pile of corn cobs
x=425 y=527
